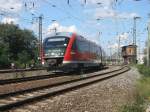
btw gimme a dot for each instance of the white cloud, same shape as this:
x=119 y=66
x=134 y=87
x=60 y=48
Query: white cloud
x=10 y=20
x=111 y=13
x=106 y=9
x=105 y=13
x=123 y=36
x=114 y=46
x=10 y=9
x=12 y=6
x=71 y=28
x=127 y=15
x=35 y=27
x=103 y=3
x=61 y=28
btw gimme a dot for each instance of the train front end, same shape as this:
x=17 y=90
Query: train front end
x=54 y=51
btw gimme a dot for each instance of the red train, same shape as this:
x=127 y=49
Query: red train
x=69 y=51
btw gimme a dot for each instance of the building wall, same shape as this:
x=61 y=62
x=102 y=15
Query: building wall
x=129 y=54
x=130 y=51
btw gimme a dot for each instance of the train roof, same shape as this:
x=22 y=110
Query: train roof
x=67 y=34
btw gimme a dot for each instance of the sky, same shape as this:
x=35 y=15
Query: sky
x=101 y=21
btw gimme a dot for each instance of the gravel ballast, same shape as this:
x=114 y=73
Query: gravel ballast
x=104 y=96
x=14 y=75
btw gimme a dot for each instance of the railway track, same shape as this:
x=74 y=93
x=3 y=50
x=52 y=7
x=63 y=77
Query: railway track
x=20 y=70
x=31 y=78
x=19 y=98
x=24 y=79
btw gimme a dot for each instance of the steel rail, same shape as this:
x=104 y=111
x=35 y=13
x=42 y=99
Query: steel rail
x=11 y=101
x=24 y=79
x=30 y=78
x=79 y=77
x=20 y=70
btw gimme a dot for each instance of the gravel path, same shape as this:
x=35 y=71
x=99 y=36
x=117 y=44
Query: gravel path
x=105 y=96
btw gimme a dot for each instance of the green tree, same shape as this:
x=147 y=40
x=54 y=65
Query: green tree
x=16 y=45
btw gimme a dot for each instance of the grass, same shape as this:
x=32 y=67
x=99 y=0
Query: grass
x=137 y=106
x=143 y=92
x=145 y=71
x=143 y=87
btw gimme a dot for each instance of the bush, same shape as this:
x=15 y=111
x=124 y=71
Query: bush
x=143 y=87
x=143 y=92
x=144 y=70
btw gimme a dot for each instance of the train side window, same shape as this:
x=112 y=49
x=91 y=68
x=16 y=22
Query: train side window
x=81 y=46
x=78 y=45
x=84 y=46
x=74 y=46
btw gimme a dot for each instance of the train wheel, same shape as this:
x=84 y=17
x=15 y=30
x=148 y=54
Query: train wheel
x=80 y=69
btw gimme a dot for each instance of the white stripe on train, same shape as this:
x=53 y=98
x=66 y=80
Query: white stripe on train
x=95 y=61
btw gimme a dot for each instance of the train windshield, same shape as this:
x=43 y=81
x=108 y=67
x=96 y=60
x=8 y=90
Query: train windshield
x=57 y=42
x=56 y=46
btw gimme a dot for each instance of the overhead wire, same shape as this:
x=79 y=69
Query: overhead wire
x=71 y=16
x=66 y=12
x=12 y=14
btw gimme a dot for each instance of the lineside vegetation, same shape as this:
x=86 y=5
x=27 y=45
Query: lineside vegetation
x=17 y=46
x=142 y=98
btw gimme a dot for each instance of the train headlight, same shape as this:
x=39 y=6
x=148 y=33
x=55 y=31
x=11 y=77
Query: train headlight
x=46 y=54
x=53 y=54
x=65 y=44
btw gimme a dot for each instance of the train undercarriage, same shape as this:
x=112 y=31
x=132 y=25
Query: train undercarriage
x=58 y=65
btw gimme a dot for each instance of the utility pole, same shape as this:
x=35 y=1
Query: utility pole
x=134 y=29
x=55 y=30
x=148 y=45
x=139 y=50
x=119 y=49
x=109 y=47
x=118 y=41
x=99 y=36
x=134 y=37
x=40 y=39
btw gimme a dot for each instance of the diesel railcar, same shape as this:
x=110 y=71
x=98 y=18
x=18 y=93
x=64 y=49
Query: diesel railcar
x=71 y=52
